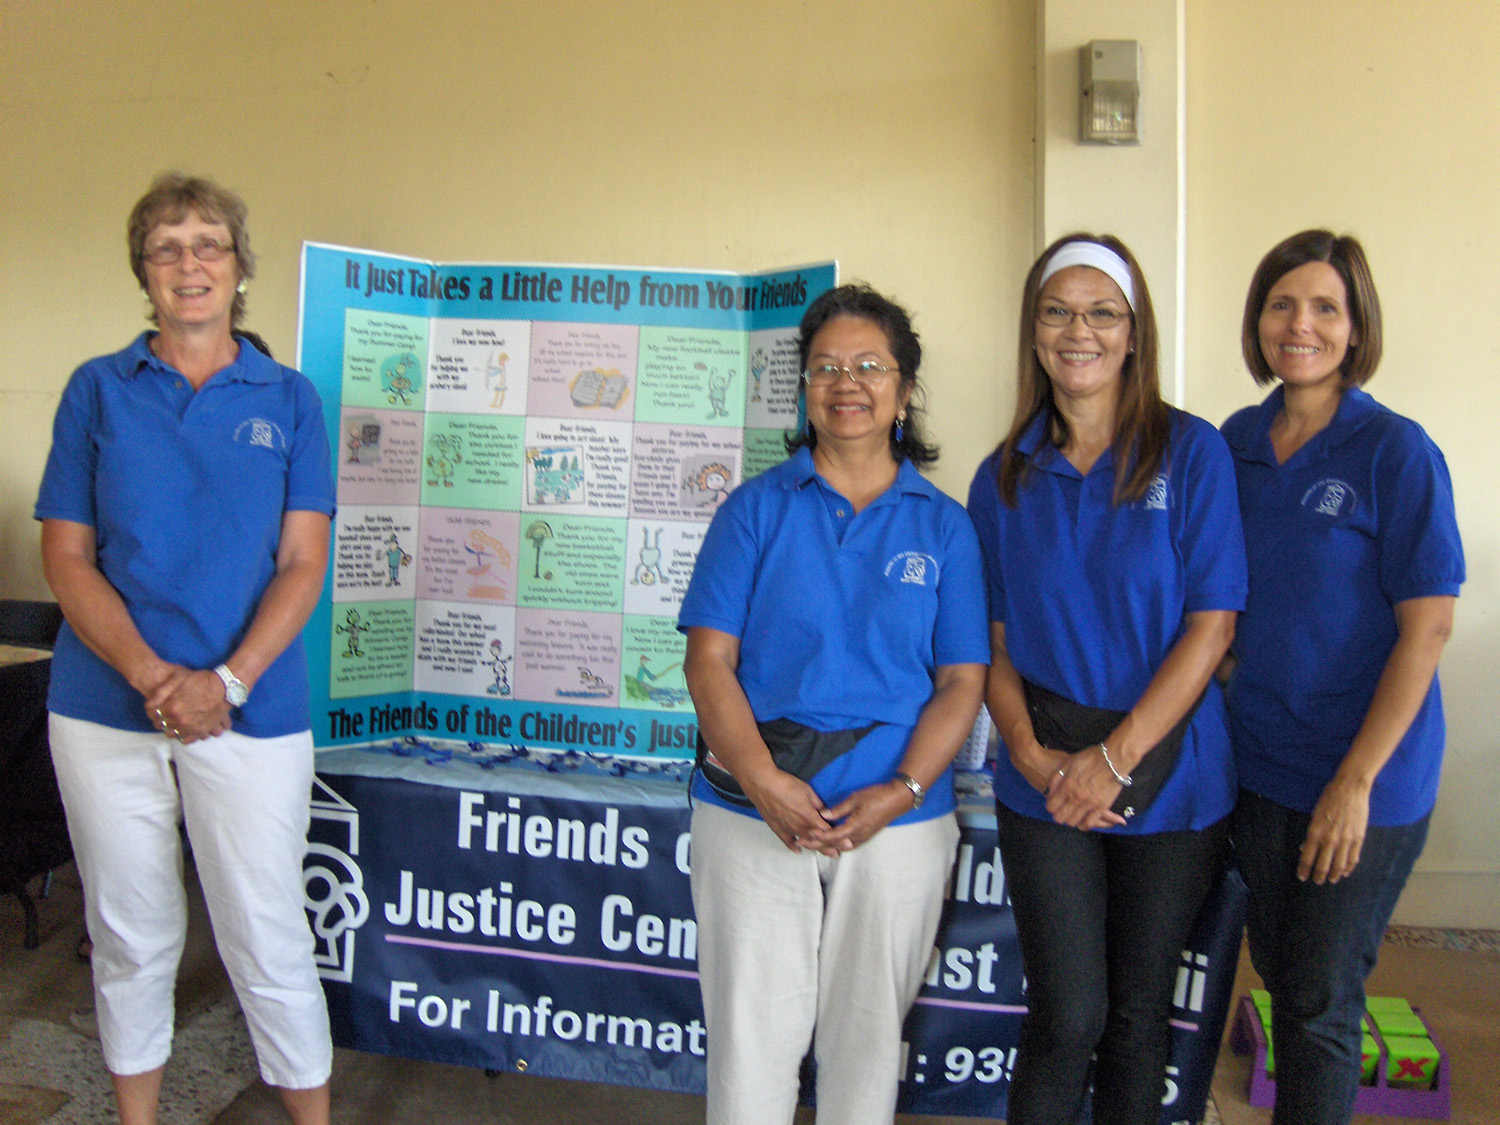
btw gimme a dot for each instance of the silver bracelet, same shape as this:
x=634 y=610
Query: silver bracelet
x=1124 y=781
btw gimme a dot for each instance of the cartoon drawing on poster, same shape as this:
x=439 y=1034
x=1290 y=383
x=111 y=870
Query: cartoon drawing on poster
x=477 y=464
x=445 y=452
x=579 y=467
x=352 y=627
x=648 y=559
x=538 y=532
x=717 y=380
x=773 y=403
x=567 y=655
x=555 y=475
x=370 y=557
x=757 y=373
x=362 y=439
x=682 y=472
x=453 y=645
x=581 y=370
x=478 y=366
x=577 y=562
x=499 y=665
x=686 y=375
x=384 y=642
x=651 y=675
x=494 y=378
x=395 y=559
x=468 y=555
x=487 y=552
x=597 y=387
x=661 y=562
x=589 y=686
x=705 y=482
x=382 y=459
x=383 y=360
x=398 y=378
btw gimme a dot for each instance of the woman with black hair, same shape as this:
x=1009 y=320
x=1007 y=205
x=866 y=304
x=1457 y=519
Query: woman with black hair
x=835 y=655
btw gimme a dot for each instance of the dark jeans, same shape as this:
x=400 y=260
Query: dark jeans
x=1314 y=946
x=1102 y=920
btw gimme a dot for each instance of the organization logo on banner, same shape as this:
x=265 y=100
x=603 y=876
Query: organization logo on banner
x=333 y=884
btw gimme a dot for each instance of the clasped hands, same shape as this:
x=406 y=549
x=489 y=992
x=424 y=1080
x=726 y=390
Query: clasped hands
x=797 y=815
x=188 y=705
x=1080 y=788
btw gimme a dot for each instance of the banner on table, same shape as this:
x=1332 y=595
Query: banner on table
x=556 y=936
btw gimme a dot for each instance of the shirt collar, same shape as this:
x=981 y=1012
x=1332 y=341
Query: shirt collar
x=801 y=469
x=251 y=366
x=1035 y=443
x=1355 y=409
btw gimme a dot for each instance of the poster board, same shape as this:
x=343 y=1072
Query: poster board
x=527 y=460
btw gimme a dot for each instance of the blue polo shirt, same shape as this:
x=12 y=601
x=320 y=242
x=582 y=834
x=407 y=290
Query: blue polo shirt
x=843 y=619
x=1093 y=596
x=1358 y=519
x=185 y=492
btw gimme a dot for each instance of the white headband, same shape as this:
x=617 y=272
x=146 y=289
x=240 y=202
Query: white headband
x=1098 y=257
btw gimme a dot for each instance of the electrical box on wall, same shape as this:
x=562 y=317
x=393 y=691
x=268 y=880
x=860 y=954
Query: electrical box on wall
x=1109 y=92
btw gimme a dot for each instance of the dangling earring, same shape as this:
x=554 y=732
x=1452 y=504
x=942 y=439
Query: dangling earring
x=809 y=429
x=900 y=428
x=241 y=287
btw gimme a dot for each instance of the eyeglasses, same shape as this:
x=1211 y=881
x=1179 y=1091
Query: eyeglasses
x=204 y=249
x=1100 y=319
x=867 y=373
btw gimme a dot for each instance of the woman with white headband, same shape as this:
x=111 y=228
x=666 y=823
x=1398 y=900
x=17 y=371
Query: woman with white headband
x=1111 y=530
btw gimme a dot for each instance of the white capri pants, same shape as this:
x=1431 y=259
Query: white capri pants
x=246 y=805
x=792 y=941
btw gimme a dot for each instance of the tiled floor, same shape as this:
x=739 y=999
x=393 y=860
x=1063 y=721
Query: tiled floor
x=50 y=1069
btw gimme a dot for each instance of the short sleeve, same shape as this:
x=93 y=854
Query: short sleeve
x=718 y=594
x=1212 y=539
x=67 y=491
x=984 y=511
x=1417 y=528
x=309 y=485
x=961 y=632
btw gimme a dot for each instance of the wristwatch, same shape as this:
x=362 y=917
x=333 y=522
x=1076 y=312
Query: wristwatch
x=234 y=688
x=918 y=794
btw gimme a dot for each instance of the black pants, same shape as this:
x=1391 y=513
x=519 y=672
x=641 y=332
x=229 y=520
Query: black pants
x=1102 y=920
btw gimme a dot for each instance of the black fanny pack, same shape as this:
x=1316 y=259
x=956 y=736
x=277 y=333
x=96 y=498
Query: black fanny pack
x=1061 y=723
x=795 y=748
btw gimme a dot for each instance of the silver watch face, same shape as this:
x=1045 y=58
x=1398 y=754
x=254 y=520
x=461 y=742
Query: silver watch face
x=235 y=690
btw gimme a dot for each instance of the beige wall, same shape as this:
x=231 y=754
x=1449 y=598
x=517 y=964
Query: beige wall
x=1375 y=117
x=895 y=136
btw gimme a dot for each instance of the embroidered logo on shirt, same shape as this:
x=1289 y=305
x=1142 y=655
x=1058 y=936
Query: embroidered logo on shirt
x=261 y=432
x=1329 y=497
x=913 y=567
x=1156 y=494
